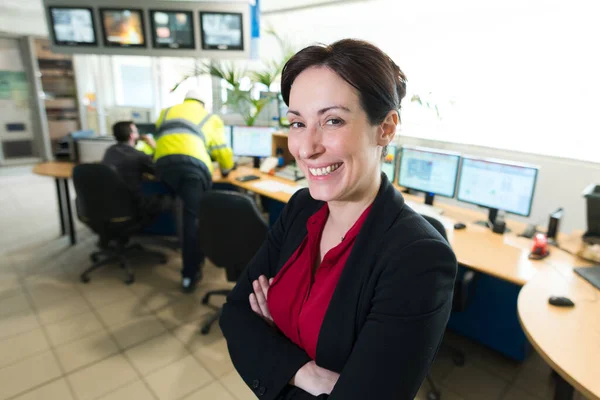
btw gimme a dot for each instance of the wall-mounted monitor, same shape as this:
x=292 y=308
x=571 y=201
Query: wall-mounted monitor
x=221 y=30
x=172 y=29
x=73 y=26
x=123 y=27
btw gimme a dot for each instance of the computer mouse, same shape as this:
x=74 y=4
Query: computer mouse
x=459 y=225
x=560 y=301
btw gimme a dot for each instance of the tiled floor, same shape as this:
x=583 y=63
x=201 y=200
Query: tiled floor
x=61 y=339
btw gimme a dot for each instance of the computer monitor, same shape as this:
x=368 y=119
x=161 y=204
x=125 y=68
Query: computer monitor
x=222 y=30
x=428 y=170
x=73 y=26
x=227 y=132
x=146 y=129
x=172 y=29
x=388 y=166
x=252 y=141
x=123 y=27
x=497 y=185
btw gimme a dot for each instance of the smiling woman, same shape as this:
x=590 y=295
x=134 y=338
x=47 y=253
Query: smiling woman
x=349 y=296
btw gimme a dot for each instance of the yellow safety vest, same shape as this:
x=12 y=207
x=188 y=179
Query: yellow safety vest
x=187 y=129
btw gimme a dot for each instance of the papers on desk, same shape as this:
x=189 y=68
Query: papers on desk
x=274 y=187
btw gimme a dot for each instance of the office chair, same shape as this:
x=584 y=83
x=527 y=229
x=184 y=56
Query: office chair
x=107 y=206
x=459 y=303
x=230 y=232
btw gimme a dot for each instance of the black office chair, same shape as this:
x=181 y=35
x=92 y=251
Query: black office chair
x=107 y=206
x=230 y=232
x=459 y=303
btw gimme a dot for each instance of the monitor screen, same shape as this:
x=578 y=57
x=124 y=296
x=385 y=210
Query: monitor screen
x=73 y=26
x=501 y=185
x=388 y=166
x=123 y=27
x=429 y=170
x=172 y=29
x=146 y=129
x=222 y=31
x=252 y=141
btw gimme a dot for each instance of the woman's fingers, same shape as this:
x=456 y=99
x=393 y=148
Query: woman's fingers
x=264 y=284
x=254 y=304
x=261 y=298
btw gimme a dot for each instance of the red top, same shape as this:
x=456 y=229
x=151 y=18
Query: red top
x=296 y=300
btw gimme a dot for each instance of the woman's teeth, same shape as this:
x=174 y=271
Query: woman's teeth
x=325 y=170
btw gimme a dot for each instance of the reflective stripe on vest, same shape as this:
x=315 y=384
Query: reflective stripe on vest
x=180 y=125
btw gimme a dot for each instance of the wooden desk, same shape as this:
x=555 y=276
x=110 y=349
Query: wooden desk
x=567 y=338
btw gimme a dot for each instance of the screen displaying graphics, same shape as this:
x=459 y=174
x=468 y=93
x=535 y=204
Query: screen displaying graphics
x=73 y=26
x=172 y=29
x=500 y=185
x=252 y=141
x=388 y=166
x=429 y=170
x=123 y=27
x=222 y=31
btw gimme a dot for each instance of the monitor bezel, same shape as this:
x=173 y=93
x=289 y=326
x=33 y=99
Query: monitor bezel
x=155 y=45
x=501 y=162
x=434 y=151
x=205 y=46
x=69 y=43
x=110 y=44
x=233 y=127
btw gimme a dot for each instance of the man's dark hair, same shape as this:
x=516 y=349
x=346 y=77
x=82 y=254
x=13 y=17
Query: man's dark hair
x=122 y=130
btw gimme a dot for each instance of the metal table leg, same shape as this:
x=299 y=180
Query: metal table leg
x=61 y=214
x=69 y=213
x=563 y=389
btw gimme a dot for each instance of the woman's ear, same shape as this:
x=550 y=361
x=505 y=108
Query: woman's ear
x=387 y=129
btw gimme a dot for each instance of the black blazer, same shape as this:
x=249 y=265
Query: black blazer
x=386 y=318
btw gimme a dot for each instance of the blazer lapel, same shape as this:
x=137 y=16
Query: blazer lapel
x=343 y=317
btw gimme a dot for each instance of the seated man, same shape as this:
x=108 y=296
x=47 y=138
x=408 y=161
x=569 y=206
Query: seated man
x=131 y=164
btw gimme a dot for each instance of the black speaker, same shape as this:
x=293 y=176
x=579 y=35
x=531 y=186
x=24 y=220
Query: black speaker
x=592 y=196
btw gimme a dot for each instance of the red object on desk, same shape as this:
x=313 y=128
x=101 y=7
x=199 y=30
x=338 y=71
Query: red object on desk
x=540 y=247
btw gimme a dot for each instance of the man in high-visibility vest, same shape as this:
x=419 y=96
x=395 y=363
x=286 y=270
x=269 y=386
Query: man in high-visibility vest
x=188 y=138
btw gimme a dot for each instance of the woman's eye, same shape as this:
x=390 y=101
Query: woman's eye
x=334 y=121
x=296 y=125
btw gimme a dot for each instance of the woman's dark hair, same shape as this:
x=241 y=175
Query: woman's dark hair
x=122 y=130
x=380 y=83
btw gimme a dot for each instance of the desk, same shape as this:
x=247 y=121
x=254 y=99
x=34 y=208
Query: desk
x=61 y=172
x=567 y=338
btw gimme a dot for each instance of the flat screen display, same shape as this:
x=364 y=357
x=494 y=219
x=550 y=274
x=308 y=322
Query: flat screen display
x=252 y=141
x=497 y=184
x=429 y=170
x=172 y=29
x=222 y=31
x=388 y=166
x=123 y=27
x=73 y=26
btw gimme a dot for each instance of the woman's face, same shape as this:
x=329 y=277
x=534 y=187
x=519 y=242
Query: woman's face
x=331 y=138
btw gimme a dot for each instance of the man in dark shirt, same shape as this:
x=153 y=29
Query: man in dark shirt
x=130 y=163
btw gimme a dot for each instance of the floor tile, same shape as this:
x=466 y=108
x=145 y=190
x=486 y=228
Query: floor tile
x=18 y=347
x=18 y=323
x=214 y=391
x=102 y=378
x=73 y=328
x=100 y=294
x=55 y=390
x=215 y=358
x=132 y=391
x=28 y=373
x=515 y=393
x=178 y=379
x=187 y=310
x=535 y=377
x=190 y=336
x=234 y=383
x=445 y=393
x=473 y=383
x=86 y=351
x=122 y=311
x=49 y=292
x=156 y=353
x=13 y=301
x=136 y=331
x=62 y=309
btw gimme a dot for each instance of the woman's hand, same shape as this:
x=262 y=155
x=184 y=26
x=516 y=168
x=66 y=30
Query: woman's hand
x=258 y=299
x=315 y=380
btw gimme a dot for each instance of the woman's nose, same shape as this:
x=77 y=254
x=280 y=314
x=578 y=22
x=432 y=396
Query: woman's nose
x=311 y=145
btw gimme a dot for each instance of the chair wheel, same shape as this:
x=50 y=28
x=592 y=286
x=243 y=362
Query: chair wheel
x=205 y=299
x=433 y=396
x=130 y=280
x=84 y=278
x=205 y=330
x=459 y=360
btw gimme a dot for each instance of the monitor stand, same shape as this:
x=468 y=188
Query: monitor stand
x=492 y=215
x=429 y=198
x=256 y=162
